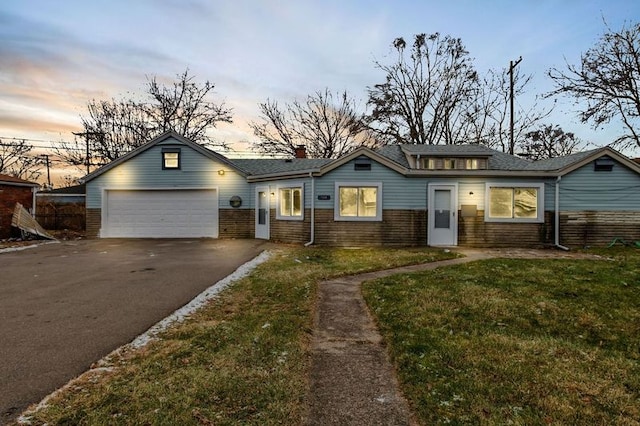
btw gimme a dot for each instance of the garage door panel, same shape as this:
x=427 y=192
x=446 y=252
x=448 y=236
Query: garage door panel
x=161 y=214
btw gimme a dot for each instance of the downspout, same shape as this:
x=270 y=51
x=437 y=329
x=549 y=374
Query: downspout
x=33 y=201
x=313 y=212
x=557 y=216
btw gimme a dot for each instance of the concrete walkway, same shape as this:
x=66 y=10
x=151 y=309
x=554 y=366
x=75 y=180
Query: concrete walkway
x=352 y=379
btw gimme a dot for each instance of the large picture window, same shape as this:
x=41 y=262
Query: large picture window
x=517 y=203
x=355 y=201
x=290 y=203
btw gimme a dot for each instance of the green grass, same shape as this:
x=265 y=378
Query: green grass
x=243 y=359
x=517 y=341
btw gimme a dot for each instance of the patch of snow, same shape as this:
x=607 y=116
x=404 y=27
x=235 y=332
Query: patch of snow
x=20 y=248
x=102 y=366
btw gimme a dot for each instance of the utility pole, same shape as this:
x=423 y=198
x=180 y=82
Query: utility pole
x=512 y=66
x=86 y=138
x=46 y=158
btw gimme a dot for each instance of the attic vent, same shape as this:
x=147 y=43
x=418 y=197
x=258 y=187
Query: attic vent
x=603 y=165
x=362 y=163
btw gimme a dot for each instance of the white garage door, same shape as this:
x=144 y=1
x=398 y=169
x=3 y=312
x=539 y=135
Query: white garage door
x=161 y=214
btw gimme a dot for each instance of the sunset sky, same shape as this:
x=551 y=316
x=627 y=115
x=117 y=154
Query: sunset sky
x=56 y=55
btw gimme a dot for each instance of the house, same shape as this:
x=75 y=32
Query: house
x=433 y=195
x=14 y=190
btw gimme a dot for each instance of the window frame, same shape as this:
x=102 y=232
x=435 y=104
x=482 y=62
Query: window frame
x=336 y=207
x=514 y=185
x=291 y=187
x=171 y=151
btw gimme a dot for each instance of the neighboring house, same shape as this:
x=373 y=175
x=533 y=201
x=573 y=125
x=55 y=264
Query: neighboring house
x=68 y=195
x=438 y=195
x=14 y=190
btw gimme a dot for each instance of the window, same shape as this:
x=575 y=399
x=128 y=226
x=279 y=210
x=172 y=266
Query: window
x=358 y=202
x=170 y=158
x=438 y=163
x=290 y=203
x=517 y=203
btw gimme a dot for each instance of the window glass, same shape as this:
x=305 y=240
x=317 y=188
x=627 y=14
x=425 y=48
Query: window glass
x=291 y=202
x=471 y=163
x=525 y=203
x=449 y=163
x=348 y=201
x=296 y=208
x=513 y=203
x=500 y=202
x=171 y=160
x=367 y=202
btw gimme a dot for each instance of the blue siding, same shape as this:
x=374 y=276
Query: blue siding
x=585 y=189
x=398 y=192
x=144 y=171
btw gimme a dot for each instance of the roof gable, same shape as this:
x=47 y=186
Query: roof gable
x=367 y=153
x=569 y=163
x=162 y=140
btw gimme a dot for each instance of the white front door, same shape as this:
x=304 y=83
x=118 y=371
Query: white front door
x=262 y=212
x=443 y=220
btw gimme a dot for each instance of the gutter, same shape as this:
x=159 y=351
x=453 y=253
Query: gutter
x=557 y=217
x=313 y=211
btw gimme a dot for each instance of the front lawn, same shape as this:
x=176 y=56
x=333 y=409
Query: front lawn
x=243 y=359
x=517 y=341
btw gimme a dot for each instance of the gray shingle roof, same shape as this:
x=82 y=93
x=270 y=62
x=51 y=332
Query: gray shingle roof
x=497 y=160
x=395 y=154
x=560 y=162
x=262 y=166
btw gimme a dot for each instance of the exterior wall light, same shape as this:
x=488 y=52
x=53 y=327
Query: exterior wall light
x=221 y=172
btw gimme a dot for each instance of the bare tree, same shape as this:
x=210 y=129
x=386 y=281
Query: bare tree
x=327 y=127
x=17 y=159
x=608 y=82
x=113 y=128
x=424 y=98
x=549 y=141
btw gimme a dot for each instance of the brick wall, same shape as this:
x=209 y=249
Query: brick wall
x=475 y=232
x=236 y=223
x=94 y=222
x=397 y=228
x=591 y=228
x=9 y=196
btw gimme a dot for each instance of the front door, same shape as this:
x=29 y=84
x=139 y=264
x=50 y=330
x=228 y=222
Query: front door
x=262 y=212
x=443 y=221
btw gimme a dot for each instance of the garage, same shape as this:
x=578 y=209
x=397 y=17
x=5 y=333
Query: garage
x=183 y=213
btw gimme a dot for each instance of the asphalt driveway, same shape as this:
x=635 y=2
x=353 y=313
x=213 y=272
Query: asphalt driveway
x=64 y=306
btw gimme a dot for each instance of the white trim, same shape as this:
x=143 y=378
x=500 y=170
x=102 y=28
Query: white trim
x=104 y=202
x=357 y=184
x=431 y=187
x=292 y=185
x=540 y=201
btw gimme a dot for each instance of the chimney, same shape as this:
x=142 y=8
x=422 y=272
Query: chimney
x=301 y=151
